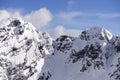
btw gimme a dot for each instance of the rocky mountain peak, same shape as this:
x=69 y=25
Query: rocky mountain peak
x=22 y=48
x=93 y=52
x=96 y=32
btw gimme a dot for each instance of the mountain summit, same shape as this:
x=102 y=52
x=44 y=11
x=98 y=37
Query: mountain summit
x=22 y=50
x=27 y=54
x=94 y=55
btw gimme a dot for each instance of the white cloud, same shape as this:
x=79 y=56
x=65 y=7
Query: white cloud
x=39 y=18
x=4 y=14
x=60 y=30
x=75 y=14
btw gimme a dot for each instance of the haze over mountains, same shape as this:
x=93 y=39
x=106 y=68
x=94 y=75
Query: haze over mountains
x=28 y=54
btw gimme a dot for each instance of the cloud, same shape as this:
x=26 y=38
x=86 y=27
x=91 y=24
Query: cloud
x=76 y=14
x=108 y=15
x=60 y=30
x=4 y=14
x=39 y=18
x=81 y=18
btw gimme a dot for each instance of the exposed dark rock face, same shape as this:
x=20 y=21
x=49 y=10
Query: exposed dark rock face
x=90 y=55
x=117 y=43
x=63 y=43
x=45 y=76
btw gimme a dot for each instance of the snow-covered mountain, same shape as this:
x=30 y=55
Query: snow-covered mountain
x=26 y=54
x=22 y=50
x=94 y=55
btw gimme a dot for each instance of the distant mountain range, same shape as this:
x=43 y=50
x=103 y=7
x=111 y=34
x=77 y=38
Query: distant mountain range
x=28 y=54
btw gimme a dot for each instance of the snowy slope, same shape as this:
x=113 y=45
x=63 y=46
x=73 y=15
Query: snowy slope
x=26 y=54
x=91 y=56
x=22 y=50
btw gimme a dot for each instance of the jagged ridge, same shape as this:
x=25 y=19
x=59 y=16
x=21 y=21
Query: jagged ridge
x=26 y=54
x=22 y=49
x=95 y=51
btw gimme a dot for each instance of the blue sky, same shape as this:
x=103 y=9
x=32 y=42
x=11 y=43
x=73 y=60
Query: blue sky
x=73 y=14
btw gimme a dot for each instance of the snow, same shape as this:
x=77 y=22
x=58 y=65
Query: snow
x=61 y=67
x=19 y=45
x=33 y=54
